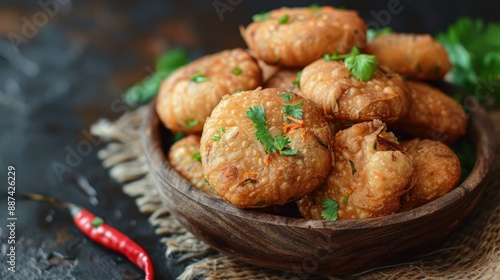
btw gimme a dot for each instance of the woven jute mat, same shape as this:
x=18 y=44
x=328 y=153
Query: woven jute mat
x=471 y=252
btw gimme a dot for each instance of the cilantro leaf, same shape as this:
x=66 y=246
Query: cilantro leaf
x=474 y=51
x=216 y=137
x=146 y=89
x=196 y=156
x=271 y=144
x=296 y=82
x=286 y=96
x=283 y=19
x=260 y=17
x=371 y=34
x=353 y=168
x=191 y=123
x=362 y=66
x=199 y=77
x=330 y=209
x=281 y=141
x=293 y=110
x=257 y=114
x=237 y=71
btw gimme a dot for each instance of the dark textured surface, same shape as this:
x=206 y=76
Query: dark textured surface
x=68 y=75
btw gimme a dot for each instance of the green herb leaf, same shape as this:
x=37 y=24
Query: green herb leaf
x=221 y=129
x=293 y=110
x=196 y=156
x=362 y=66
x=281 y=141
x=260 y=203
x=191 y=123
x=283 y=19
x=177 y=136
x=371 y=34
x=375 y=145
x=296 y=82
x=260 y=17
x=286 y=96
x=472 y=46
x=314 y=6
x=237 y=71
x=353 y=168
x=97 y=222
x=330 y=209
x=345 y=199
x=145 y=90
x=288 y=152
x=216 y=137
x=199 y=77
x=257 y=114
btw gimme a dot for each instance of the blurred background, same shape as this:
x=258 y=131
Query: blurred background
x=66 y=63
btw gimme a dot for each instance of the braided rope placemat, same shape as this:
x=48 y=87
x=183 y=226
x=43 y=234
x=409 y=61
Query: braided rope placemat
x=471 y=252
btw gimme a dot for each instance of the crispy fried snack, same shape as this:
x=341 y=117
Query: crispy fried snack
x=184 y=158
x=188 y=96
x=412 y=55
x=370 y=174
x=345 y=98
x=436 y=172
x=295 y=37
x=248 y=173
x=432 y=114
x=285 y=78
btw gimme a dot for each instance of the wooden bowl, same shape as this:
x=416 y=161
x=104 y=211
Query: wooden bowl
x=297 y=245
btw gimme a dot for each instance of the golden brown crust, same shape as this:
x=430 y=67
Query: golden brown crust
x=367 y=179
x=412 y=55
x=345 y=98
x=181 y=100
x=285 y=78
x=238 y=166
x=436 y=171
x=306 y=36
x=182 y=160
x=432 y=114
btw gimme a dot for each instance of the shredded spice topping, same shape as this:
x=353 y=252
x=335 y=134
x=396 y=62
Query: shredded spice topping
x=361 y=66
x=330 y=209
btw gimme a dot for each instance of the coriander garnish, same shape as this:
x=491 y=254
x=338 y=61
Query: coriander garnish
x=199 y=77
x=330 y=209
x=191 y=123
x=97 y=221
x=293 y=110
x=280 y=143
x=283 y=19
x=196 y=156
x=345 y=199
x=237 y=71
x=216 y=137
x=361 y=66
x=286 y=96
x=260 y=17
x=221 y=129
x=260 y=203
x=296 y=82
x=374 y=145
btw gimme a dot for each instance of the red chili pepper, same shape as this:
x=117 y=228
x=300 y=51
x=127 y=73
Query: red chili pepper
x=100 y=232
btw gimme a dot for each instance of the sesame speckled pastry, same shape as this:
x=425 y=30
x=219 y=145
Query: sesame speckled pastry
x=432 y=114
x=295 y=37
x=437 y=171
x=412 y=55
x=285 y=78
x=188 y=96
x=248 y=173
x=185 y=158
x=344 y=98
x=371 y=172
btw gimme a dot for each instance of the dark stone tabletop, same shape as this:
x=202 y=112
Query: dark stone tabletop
x=66 y=63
